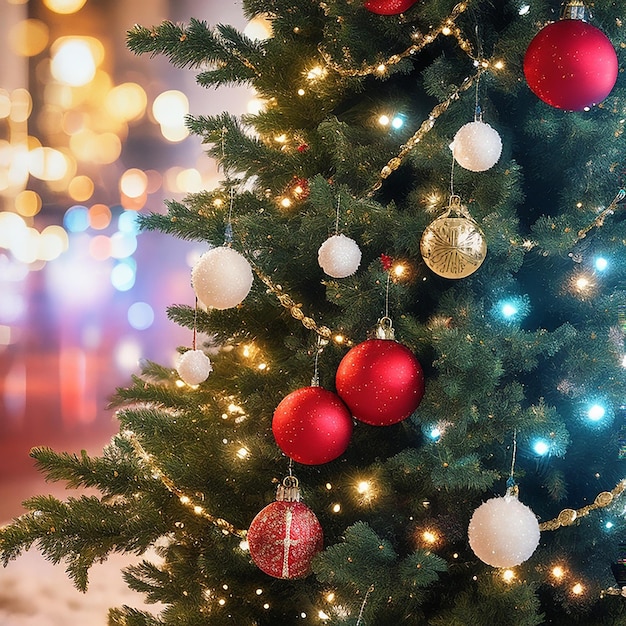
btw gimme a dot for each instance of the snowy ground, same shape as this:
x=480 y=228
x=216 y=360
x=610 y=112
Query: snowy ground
x=34 y=592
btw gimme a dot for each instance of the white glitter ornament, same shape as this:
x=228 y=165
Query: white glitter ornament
x=476 y=146
x=339 y=256
x=503 y=532
x=194 y=367
x=221 y=278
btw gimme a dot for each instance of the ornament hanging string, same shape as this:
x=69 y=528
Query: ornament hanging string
x=337 y=215
x=359 y=620
x=195 y=324
x=511 y=486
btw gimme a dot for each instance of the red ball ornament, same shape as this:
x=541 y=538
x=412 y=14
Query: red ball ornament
x=381 y=381
x=571 y=65
x=388 y=7
x=283 y=539
x=312 y=426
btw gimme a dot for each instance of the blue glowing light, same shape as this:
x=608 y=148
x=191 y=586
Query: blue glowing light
x=76 y=219
x=541 y=447
x=397 y=122
x=596 y=412
x=508 y=310
x=140 y=315
x=600 y=264
x=435 y=432
x=608 y=525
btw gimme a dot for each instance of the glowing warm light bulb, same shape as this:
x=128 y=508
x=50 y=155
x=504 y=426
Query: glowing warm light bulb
x=381 y=68
x=558 y=572
x=170 y=108
x=323 y=615
x=336 y=508
x=316 y=73
x=445 y=30
x=384 y=120
x=133 y=183
x=499 y=65
x=243 y=545
x=363 y=487
x=198 y=510
x=399 y=270
x=184 y=500
x=578 y=589
x=508 y=575
x=243 y=453
x=285 y=203
x=330 y=597
x=429 y=537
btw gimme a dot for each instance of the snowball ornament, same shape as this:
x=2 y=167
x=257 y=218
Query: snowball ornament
x=221 y=278
x=339 y=256
x=285 y=536
x=194 y=367
x=503 y=532
x=477 y=146
x=571 y=64
x=312 y=425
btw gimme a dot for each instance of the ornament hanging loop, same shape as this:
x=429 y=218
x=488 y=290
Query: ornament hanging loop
x=385 y=329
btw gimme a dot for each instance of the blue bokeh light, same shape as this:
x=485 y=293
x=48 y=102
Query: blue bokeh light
x=76 y=219
x=140 y=315
x=541 y=447
x=123 y=275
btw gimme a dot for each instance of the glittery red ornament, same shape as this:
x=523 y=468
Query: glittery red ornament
x=312 y=425
x=388 y=7
x=284 y=537
x=303 y=147
x=571 y=65
x=381 y=381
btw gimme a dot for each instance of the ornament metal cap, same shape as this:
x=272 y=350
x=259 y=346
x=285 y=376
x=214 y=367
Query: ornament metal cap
x=574 y=10
x=288 y=490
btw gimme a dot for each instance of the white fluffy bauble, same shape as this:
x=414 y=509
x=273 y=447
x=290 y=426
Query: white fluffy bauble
x=477 y=146
x=339 y=256
x=221 y=278
x=503 y=532
x=194 y=367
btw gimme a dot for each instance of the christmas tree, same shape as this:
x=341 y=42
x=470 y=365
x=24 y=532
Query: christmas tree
x=402 y=401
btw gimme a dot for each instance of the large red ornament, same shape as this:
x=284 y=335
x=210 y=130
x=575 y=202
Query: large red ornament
x=312 y=425
x=571 y=65
x=285 y=536
x=381 y=381
x=388 y=7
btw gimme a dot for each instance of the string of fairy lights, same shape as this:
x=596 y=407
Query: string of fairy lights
x=195 y=503
x=429 y=537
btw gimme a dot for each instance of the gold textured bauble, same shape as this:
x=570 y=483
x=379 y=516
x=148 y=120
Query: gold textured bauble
x=453 y=246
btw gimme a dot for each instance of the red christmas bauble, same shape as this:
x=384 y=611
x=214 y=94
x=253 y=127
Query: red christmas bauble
x=312 y=425
x=381 y=381
x=283 y=539
x=388 y=7
x=571 y=65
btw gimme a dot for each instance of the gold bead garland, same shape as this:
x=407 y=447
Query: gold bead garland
x=447 y=27
x=187 y=501
x=567 y=517
x=426 y=126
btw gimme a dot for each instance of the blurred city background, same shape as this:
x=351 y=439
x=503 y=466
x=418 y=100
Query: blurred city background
x=90 y=136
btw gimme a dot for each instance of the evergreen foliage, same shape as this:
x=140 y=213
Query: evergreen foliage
x=175 y=476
